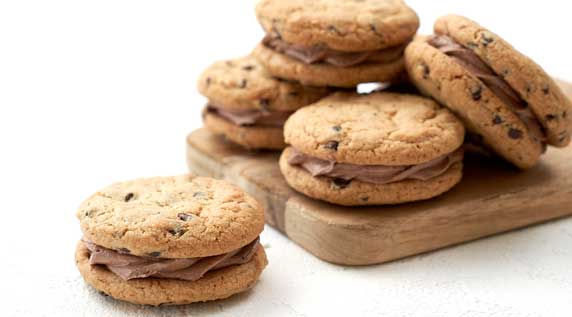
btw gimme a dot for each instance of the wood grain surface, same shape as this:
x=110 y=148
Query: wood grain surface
x=492 y=198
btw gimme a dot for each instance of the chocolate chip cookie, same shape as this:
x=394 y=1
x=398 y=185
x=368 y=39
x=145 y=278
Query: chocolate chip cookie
x=381 y=148
x=249 y=106
x=170 y=240
x=334 y=42
x=507 y=102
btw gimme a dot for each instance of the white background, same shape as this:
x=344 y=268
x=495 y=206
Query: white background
x=93 y=92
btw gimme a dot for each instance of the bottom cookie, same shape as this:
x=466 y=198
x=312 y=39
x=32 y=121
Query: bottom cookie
x=357 y=193
x=218 y=284
x=250 y=137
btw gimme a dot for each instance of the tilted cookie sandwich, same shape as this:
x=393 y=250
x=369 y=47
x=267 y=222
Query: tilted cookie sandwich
x=339 y=43
x=170 y=240
x=376 y=149
x=505 y=99
x=248 y=106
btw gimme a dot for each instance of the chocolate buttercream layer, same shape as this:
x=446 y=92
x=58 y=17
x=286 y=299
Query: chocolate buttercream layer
x=130 y=267
x=375 y=174
x=322 y=54
x=476 y=66
x=251 y=117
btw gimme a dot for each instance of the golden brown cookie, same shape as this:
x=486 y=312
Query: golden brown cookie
x=503 y=97
x=322 y=74
x=381 y=148
x=171 y=240
x=335 y=43
x=252 y=138
x=171 y=217
x=214 y=285
x=344 y=25
x=249 y=106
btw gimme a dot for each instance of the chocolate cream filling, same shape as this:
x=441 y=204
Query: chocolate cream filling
x=130 y=267
x=476 y=66
x=375 y=174
x=322 y=54
x=251 y=117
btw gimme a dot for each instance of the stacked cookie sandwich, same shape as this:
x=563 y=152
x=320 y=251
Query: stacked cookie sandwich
x=507 y=102
x=333 y=42
x=170 y=240
x=248 y=106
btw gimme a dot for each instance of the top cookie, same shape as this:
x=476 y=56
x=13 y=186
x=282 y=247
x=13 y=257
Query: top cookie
x=544 y=97
x=171 y=217
x=244 y=84
x=376 y=129
x=344 y=25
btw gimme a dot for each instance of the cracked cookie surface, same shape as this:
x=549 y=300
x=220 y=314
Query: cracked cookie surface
x=345 y=25
x=376 y=129
x=171 y=217
x=244 y=84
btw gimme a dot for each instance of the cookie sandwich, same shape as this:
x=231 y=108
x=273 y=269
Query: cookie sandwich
x=170 y=240
x=248 y=106
x=335 y=42
x=507 y=102
x=376 y=149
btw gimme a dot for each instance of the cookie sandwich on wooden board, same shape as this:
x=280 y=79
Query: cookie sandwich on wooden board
x=248 y=106
x=171 y=240
x=376 y=149
x=508 y=103
x=335 y=43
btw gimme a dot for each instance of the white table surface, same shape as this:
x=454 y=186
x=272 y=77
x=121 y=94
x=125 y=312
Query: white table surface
x=93 y=92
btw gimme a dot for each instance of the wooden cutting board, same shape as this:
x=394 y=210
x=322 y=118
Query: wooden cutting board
x=492 y=198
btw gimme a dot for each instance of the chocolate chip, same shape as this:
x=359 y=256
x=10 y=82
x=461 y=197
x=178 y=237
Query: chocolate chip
x=546 y=89
x=515 y=134
x=154 y=254
x=364 y=199
x=505 y=73
x=199 y=194
x=129 y=196
x=248 y=68
x=294 y=93
x=103 y=293
x=243 y=84
x=486 y=40
x=333 y=29
x=426 y=71
x=564 y=114
x=264 y=103
x=229 y=64
x=184 y=216
x=340 y=183
x=124 y=251
x=551 y=117
x=497 y=120
x=332 y=145
x=177 y=231
x=476 y=93
x=337 y=128
x=528 y=89
x=208 y=81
